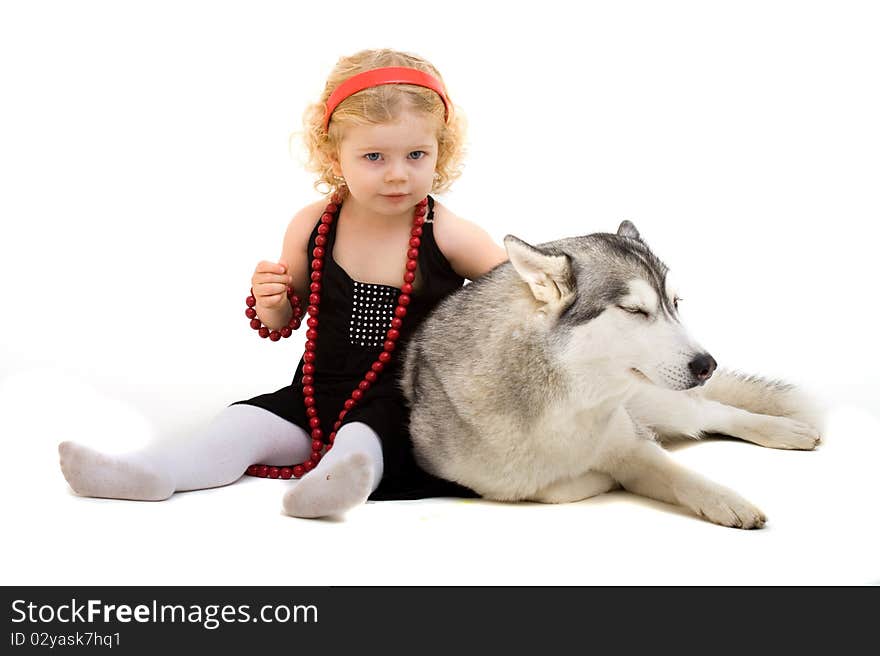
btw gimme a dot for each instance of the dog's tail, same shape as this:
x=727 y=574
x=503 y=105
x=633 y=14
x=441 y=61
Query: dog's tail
x=763 y=396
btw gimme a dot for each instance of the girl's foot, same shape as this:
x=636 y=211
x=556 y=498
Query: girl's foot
x=331 y=490
x=94 y=474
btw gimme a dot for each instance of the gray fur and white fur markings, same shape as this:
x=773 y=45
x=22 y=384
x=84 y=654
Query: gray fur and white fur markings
x=556 y=376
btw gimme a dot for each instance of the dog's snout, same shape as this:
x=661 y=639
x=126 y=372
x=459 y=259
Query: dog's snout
x=702 y=366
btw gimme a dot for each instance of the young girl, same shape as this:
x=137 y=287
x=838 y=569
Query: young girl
x=371 y=260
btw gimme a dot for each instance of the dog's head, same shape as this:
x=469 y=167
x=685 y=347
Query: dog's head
x=610 y=305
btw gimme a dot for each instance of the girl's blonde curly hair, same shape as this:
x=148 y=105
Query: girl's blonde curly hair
x=376 y=105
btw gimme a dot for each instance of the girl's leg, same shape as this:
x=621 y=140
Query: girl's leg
x=344 y=478
x=241 y=435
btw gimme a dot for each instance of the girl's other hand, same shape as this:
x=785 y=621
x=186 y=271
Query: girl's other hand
x=270 y=282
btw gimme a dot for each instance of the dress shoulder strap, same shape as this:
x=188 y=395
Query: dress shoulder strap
x=437 y=264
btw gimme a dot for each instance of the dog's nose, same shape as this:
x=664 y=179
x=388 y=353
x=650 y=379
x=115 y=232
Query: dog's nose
x=702 y=366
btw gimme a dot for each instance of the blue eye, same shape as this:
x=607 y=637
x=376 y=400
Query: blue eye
x=370 y=157
x=420 y=153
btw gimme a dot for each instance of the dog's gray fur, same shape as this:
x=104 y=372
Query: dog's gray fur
x=543 y=381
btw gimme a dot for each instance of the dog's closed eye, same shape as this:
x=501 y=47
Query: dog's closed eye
x=635 y=310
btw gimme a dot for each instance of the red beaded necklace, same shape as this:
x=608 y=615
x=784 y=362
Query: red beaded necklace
x=308 y=379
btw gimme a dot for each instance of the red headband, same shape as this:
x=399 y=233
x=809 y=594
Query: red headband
x=379 y=76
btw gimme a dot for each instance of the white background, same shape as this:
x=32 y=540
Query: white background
x=145 y=170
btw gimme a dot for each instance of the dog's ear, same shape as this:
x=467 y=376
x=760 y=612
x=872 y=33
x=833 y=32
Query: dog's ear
x=548 y=276
x=628 y=229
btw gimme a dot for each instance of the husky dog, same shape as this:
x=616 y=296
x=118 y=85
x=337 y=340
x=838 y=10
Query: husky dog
x=555 y=377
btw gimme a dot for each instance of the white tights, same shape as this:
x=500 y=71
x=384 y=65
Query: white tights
x=241 y=435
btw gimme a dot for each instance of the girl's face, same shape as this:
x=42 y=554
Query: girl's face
x=389 y=167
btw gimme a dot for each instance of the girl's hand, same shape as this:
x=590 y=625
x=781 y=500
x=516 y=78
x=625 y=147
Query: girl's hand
x=270 y=282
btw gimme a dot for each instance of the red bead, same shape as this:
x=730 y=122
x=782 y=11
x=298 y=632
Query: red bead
x=274 y=335
x=423 y=202
x=332 y=207
x=320 y=240
x=409 y=276
x=251 y=301
x=370 y=376
x=308 y=465
x=327 y=217
x=252 y=470
x=323 y=229
x=264 y=332
x=364 y=385
x=332 y=439
x=311 y=334
x=411 y=265
x=342 y=414
x=318 y=252
x=396 y=322
x=388 y=345
x=317 y=434
x=415 y=242
x=308 y=380
x=393 y=334
x=312 y=310
x=317 y=265
x=421 y=211
x=385 y=357
x=316 y=276
x=412 y=253
x=256 y=323
x=308 y=369
x=419 y=220
x=298 y=471
x=312 y=322
x=349 y=404
x=311 y=411
x=417 y=231
x=316 y=458
x=250 y=313
x=311 y=345
x=286 y=332
x=308 y=390
x=336 y=427
x=294 y=324
x=309 y=357
x=357 y=395
x=309 y=401
x=317 y=445
x=406 y=288
x=286 y=473
x=314 y=422
x=400 y=311
x=377 y=367
x=315 y=287
x=273 y=472
x=262 y=470
x=314 y=299
x=403 y=299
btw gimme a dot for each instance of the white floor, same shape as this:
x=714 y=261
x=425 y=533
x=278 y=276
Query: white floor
x=822 y=508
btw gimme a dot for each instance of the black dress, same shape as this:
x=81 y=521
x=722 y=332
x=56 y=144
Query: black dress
x=354 y=318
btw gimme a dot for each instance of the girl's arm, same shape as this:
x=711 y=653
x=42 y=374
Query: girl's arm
x=295 y=259
x=469 y=249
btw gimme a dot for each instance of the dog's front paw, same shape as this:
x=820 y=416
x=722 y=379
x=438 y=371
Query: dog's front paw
x=780 y=433
x=725 y=507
